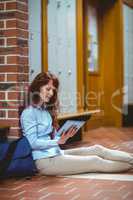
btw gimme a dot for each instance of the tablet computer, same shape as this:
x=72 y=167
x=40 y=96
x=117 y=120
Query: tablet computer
x=69 y=124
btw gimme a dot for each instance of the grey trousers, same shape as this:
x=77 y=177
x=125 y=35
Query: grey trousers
x=86 y=159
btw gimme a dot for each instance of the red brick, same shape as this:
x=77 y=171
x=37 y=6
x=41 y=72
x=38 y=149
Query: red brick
x=2 y=77
x=1 y=42
x=8 y=68
x=2 y=59
x=10 y=104
x=23 y=60
x=12 y=77
x=2 y=95
x=17 y=77
x=13 y=114
x=9 y=50
x=11 y=123
x=22 y=7
x=14 y=33
x=11 y=41
x=22 y=42
x=22 y=25
x=8 y=15
x=23 y=34
x=14 y=68
x=23 y=68
x=24 y=51
x=2 y=114
x=9 y=33
x=23 y=77
x=12 y=59
x=1 y=6
x=11 y=5
x=1 y=24
x=24 y=1
x=11 y=23
x=22 y=16
x=19 y=42
x=13 y=95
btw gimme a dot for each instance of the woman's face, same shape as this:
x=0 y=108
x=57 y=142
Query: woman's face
x=47 y=91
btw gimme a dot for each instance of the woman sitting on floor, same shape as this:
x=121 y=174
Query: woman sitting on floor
x=39 y=125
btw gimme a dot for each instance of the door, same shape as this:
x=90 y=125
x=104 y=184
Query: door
x=128 y=64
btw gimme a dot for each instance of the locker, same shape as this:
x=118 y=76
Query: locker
x=128 y=52
x=34 y=38
x=62 y=50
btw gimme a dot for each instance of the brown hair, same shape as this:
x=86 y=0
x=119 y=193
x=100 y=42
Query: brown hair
x=34 y=94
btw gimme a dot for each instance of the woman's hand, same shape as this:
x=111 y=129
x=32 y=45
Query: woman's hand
x=67 y=134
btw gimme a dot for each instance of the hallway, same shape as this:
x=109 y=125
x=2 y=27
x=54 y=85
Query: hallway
x=93 y=187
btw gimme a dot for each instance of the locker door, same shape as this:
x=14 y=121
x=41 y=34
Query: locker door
x=71 y=72
x=125 y=9
x=62 y=50
x=34 y=38
x=128 y=52
x=52 y=57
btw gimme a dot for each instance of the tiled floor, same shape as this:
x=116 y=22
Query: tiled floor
x=68 y=188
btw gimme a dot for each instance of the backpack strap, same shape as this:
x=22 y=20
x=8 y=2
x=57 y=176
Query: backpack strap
x=5 y=162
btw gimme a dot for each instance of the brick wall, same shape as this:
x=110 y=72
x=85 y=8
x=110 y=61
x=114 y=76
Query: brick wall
x=13 y=60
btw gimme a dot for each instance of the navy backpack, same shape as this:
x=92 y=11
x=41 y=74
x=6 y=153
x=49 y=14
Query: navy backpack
x=16 y=158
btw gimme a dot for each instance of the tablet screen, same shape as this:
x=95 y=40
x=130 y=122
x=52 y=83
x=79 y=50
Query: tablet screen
x=68 y=124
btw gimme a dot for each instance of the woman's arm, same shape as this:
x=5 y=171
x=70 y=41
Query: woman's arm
x=29 y=127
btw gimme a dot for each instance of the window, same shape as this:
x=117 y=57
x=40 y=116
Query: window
x=92 y=59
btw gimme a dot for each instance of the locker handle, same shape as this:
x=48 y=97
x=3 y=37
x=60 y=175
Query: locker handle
x=59 y=72
x=31 y=71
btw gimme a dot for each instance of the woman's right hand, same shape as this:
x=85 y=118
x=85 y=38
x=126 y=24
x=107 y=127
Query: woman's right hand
x=67 y=134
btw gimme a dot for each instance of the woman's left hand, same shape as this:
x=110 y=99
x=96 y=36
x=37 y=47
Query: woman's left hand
x=67 y=134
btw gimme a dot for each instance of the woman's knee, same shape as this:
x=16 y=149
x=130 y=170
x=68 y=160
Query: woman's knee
x=98 y=147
